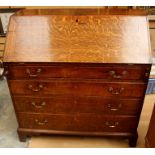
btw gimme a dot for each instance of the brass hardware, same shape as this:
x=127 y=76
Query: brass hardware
x=115 y=91
x=114 y=109
x=41 y=123
x=1 y=69
x=6 y=72
x=38 y=71
x=147 y=69
x=38 y=106
x=35 y=89
x=112 y=125
x=117 y=76
x=146 y=74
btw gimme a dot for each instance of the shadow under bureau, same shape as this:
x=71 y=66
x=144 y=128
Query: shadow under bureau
x=76 y=74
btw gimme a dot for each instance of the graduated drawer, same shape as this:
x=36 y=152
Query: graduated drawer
x=68 y=104
x=82 y=88
x=116 y=72
x=81 y=122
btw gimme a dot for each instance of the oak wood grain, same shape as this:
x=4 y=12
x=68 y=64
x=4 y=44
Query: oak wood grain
x=78 y=72
x=93 y=38
x=82 y=11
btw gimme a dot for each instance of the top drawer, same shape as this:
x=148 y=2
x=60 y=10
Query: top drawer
x=115 y=72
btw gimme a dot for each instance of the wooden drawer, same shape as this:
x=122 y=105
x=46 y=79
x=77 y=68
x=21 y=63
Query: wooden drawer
x=68 y=87
x=83 y=122
x=116 y=72
x=68 y=104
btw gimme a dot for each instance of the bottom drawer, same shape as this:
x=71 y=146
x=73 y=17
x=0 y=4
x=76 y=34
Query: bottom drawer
x=82 y=122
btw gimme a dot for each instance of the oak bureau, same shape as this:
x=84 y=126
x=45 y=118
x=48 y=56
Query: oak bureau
x=78 y=73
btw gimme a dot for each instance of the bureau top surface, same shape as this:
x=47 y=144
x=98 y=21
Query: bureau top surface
x=81 y=39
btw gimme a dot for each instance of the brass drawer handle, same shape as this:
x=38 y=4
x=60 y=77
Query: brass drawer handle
x=114 y=109
x=35 y=89
x=38 y=106
x=38 y=71
x=117 y=76
x=115 y=91
x=41 y=123
x=112 y=125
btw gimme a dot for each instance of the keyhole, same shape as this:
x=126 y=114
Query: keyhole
x=77 y=20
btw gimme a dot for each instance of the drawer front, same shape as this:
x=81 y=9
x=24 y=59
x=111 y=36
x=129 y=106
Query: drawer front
x=66 y=87
x=87 y=122
x=66 y=104
x=125 y=72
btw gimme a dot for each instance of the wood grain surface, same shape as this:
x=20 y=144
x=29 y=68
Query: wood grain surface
x=79 y=71
x=84 y=38
x=77 y=87
x=56 y=104
x=96 y=67
x=82 y=11
x=78 y=122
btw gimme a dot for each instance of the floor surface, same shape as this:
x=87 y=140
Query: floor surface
x=8 y=123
